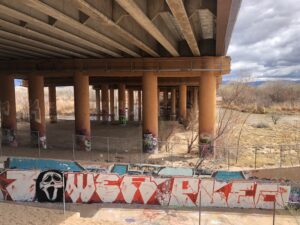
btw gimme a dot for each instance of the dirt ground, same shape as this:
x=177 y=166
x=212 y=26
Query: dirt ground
x=97 y=214
x=274 y=145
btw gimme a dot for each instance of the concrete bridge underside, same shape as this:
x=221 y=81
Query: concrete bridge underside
x=176 y=46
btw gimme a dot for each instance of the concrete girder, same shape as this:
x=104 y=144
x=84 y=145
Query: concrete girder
x=48 y=10
x=15 y=49
x=92 y=12
x=227 y=11
x=47 y=27
x=136 y=12
x=34 y=34
x=179 y=12
x=56 y=51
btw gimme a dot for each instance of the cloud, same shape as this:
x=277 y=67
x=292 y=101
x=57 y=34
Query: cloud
x=266 y=40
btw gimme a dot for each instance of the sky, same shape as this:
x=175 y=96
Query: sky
x=265 y=44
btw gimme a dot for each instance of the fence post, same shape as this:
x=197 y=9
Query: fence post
x=274 y=208
x=64 y=197
x=107 y=141
x=228 y=159
x=200 y=206
x=73 y=142
x=255 y=152
x=39 y=144
x=280 y=154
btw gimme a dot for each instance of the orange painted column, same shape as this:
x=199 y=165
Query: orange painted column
x=150 y=113
x=182 y=102
x=195 y=98
x=112 y=104
x=98 y=110
x=122 y=104
x=173 y=104
x=207 y=106
x=105 y=102
x=130 y=105
x=52 y=104
x=82 y=112
x=37 y=110
x=140 y=105
x=8 y=110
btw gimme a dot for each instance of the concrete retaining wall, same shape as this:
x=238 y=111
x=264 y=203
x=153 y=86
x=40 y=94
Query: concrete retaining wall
x=47 y=186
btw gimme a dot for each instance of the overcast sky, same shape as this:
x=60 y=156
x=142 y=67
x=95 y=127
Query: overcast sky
x=266 y=40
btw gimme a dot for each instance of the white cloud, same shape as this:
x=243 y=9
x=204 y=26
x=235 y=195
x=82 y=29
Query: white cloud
x=266 y=40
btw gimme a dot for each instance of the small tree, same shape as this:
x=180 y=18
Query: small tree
x=275 y=118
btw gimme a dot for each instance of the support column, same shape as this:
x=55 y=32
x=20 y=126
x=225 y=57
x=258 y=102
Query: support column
x=8 y=110
x=165 y=102
x=150 y=114
x=173 y=104
x=98 y=110
x=105 y=102
x=207 y=107
x=52 y=104
x=140 y=105
x=130 y=105
x=112 y=104
x=122 y=104
x=37 y=110
x=182 y=102
x=195 y=99
x=82 y=112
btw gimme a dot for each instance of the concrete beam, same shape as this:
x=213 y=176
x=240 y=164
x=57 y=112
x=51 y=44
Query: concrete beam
x=130 y=67
x=15 y=49
x=227 y=11
x=96 y=14
x=51 y=50
x=140 y=17
x=48 y=10
x=178 y=10
x=46 y=38
x=49 y=28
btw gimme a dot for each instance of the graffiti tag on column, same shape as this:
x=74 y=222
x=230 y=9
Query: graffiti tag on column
x=5 y=110
x=35 y=112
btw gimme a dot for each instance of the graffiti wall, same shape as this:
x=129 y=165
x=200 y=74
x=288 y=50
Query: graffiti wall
x=49 y=186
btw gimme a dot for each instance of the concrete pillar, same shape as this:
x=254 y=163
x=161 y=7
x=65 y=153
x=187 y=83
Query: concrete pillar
x=105 y=102
x=165 y=102
x=150 y=114
x=112 y=104
x=122 y=103
x=195 y=98
x=182 y=102
x=98 y=110
x=173 y=104
x=52 y=104
x=140 y=105
x=130 y=105
x=8 y=110
x=82 y=112
x=37 y=110
x=207 y=106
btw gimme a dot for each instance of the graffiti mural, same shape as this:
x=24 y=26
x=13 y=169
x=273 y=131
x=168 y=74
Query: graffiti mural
x=5 y=109
x=38 y=140
x=49 y=186
x=150 y=144
x=83 y=140
x=122 y=116
x=295 y=194
x=85 y=187
x=9 y=137
x=35 y=112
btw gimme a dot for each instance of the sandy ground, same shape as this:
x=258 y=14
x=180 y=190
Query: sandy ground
x=96 y=214
x=13 y=214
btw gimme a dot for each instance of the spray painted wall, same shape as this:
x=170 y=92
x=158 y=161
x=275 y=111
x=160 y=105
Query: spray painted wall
x=81 y=187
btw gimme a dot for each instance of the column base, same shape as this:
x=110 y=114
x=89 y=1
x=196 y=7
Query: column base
x=83 y=141
x=38 y=141
x=206 y=146
x=112 y=117
x=122 y=117
x=53 y=119
x=9 y=137
x=150 y=144
x=173 y=117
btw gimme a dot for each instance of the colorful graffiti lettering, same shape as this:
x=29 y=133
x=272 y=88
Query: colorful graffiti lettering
x=83 y=187
x=149 y=142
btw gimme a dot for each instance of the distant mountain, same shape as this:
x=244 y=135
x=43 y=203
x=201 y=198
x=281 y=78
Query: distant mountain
x=260 y=82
